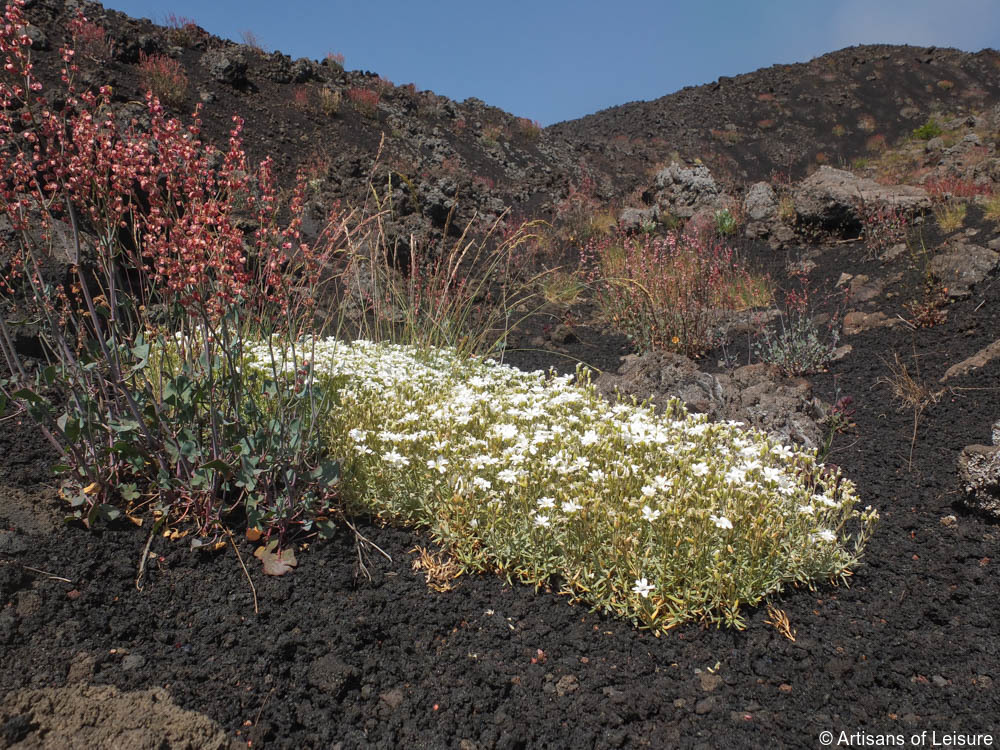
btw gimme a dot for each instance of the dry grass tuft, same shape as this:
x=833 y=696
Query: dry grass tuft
x=779 y=619
x=910 y=392
x=439 y=569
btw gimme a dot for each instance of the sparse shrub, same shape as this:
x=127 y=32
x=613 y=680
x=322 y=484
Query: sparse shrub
x=670 y=293
x=251 y=40
x=876 y=144
x=462 y=295
x=329 y=101
x=165 y=77
x=950 y=216
x=991 y=207
x=335 y=60
x=839 y=130
x=91 y=40
x=364 y=101
x=928 y=130
x=946 y=85
x=301 y=97
x=530 y=130
x=181 y=31
x=799 y=345
x=581 y=216
x=882 y=226
x=867 y=123
x=491 y=134
x=145 y=342
x=786 y=210
x=658 y=519
x=951 y=187
x=562 y=287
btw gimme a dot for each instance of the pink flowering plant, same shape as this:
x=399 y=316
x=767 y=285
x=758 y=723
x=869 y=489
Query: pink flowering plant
x=671 y=292
x=126 y=263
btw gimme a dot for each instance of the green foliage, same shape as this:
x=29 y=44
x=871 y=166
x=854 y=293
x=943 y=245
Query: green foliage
x=725 y=223
x=660 y=519
x=928 y=130
x=800 y=346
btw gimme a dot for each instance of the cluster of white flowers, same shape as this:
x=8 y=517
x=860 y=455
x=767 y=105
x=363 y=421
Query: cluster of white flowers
x=549 y=451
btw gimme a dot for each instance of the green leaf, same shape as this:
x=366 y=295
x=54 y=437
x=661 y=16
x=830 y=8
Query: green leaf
x=32 y=397
x=129 y=491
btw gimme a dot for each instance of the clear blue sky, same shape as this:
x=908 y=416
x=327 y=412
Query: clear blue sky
x=558 y=60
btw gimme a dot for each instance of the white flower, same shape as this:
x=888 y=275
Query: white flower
x=721 y=521
x=542 y=521
x=825 y=536
x=589 y=438
x=699 y=469
x=571 y=506
x=507 y=475
x=438 y=463
x=824 y=500
x=546 y=502
x=395 y=459
x=648 y=490
x=505 y=431
x=782 y=451
x=596 y=475
x=642 y=587
x=649 y=514
x=358 y=436
x=807 y=509
x=736 y=475
x=483 y=484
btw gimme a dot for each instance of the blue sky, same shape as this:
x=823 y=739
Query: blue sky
x=555 y=60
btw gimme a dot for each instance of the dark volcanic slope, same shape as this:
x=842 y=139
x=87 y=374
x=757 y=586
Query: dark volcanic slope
x=788 y=117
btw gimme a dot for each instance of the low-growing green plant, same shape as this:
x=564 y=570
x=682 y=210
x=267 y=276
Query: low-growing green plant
x=562 y=287
x=950 y=216
x=657 y=519
x=725 y=223
x=930 y=129
x=799 y=345
x=670 y=292
x=991 y=207
x=329 y=101
x=141 y=388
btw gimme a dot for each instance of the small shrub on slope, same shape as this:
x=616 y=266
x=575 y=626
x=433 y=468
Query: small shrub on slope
x=670 y=292
x=658 y=519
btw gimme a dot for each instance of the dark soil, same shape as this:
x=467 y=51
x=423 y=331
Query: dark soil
x=336 y=657
x=354 y=650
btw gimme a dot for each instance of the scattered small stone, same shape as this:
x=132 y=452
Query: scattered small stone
x=949 y=520
x=567 y=684
x=392 y=698
x=614 y=695
x=709 y=682
x=679 y=703
x=704 y=706
x=133 y=661
x=940 y=681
